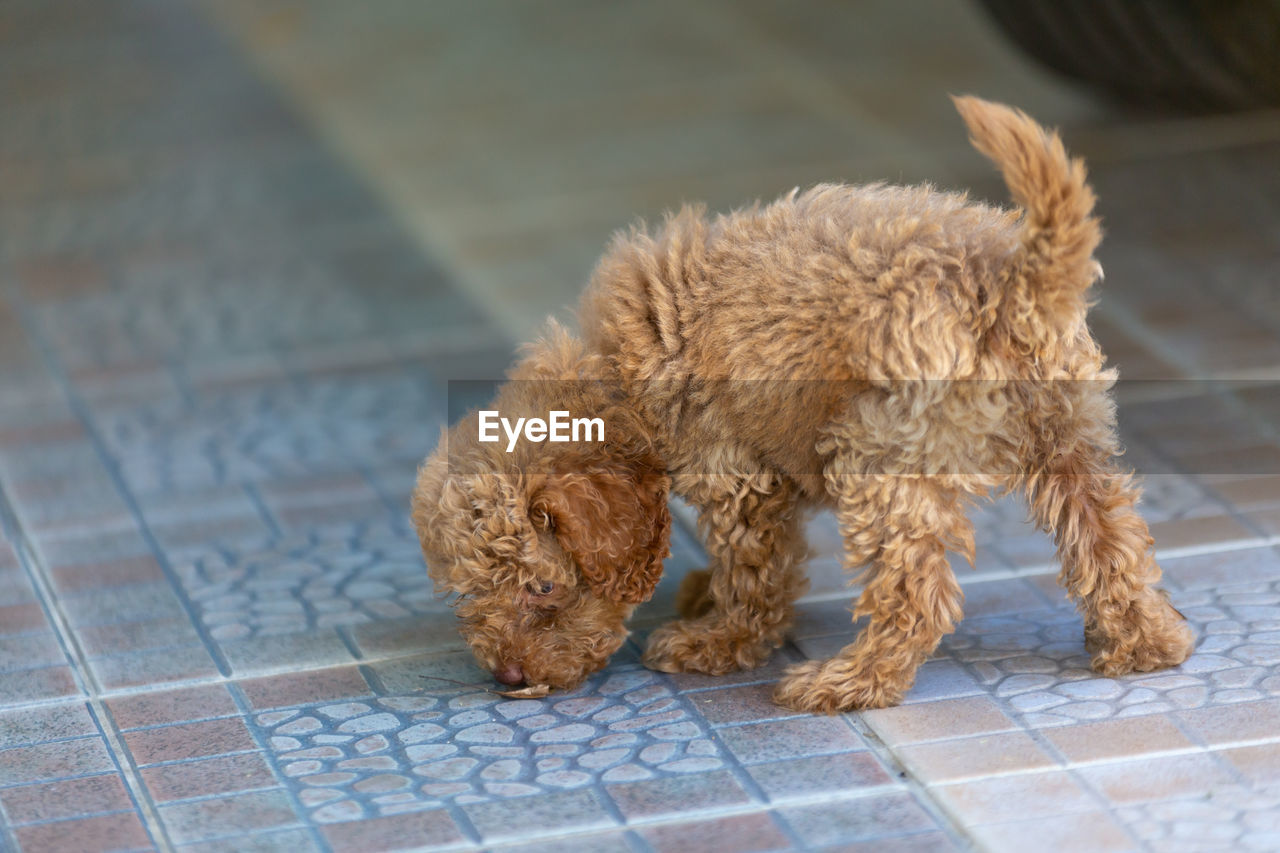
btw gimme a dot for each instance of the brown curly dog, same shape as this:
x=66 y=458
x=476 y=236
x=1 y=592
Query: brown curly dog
x=889 y=352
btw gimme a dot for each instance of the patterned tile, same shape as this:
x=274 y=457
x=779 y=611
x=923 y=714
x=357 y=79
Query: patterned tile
x=401 y=753
x=340 y=575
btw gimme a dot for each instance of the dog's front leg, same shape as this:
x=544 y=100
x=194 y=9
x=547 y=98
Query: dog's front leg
x=904 y=525
x=737 y=613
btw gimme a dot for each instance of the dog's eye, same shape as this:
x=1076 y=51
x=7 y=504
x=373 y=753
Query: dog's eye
x=542 y=587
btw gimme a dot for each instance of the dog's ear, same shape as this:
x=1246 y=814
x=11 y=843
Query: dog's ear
x=613 y=520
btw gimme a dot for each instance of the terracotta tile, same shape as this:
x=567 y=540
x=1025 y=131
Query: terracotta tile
x=125 y=570
x=857 y=819
x=967 y=758
x=1153 y=779
x=824 y=774
x=15 y=588
x=164 y=707
x=69 y=798
x=749 y=832
x=139 y=602
x=189 y=740
x=589 y=842
x=526 y=817
x=66 y=547
x=45 y=723
x=153 y=667
x=1259 y=764
x=1223 y=725
x=227 y=816
x=739 y=705
x=57 y=278
x=918 y=842
x=90 y=834
x=1250 y=492
x=1007 y=798
x=19 y=618
x=101 y=640
x=23 y=765
x=1093 y=831
x=948 y=718
x=1205 y=530
x=398 y=832
x=229 y=774
x=279 y=691
x=293 y=840
x=29 y=651
x=1117 y=738
x=670 y=795
x=29 y=685
x=1231 y=462
x=1205 y=571
x=793 y=738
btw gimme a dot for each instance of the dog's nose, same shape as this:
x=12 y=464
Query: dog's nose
x=509 y=674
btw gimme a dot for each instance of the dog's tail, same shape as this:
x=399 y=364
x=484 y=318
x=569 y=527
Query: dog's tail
x=1053 y=265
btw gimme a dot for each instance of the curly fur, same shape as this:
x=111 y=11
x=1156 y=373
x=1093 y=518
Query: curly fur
x=890 y=352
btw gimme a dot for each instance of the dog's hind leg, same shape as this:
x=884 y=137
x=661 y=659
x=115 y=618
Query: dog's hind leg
x=737 y=614
x=904 y=524
x=1107 y=563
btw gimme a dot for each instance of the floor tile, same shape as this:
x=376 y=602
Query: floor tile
x=276 y=691
x=824 y=774
x=1007 y=798
x=1111 y=739
x=225 y=343
x=530 y=816
x=863 y=818
x=211 y=776
x=227 y=816
x=973 y=757
x=1260 y=764
x=1159 y=778
x=1094 y=831
x=65 y=759
x=788 y=739
x=187 y=741
x=107 y=832
x=165 y=707
x=747 y=704
x=45 y=723
x=753 y=832
x=947 y=718
x=397 y=832
x=1231 y=724
x=670 y=795
x=69 y=798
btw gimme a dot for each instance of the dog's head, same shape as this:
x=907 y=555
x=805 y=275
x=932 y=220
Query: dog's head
x=548 y=547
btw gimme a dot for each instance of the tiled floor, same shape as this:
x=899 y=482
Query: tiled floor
x=244 y=245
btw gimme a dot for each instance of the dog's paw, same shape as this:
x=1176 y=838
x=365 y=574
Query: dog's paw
x=703 y=645
x=828 y=687
x=1157 y=639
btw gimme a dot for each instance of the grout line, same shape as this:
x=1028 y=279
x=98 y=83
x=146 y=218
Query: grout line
x=77 y=664
x=265 y=750
x=951 y=825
